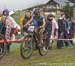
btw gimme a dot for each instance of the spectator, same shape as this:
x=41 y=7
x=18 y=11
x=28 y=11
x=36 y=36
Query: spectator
x=72 y=30
x=51 y=28
x=63 y=31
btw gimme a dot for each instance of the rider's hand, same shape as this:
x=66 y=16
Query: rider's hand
x=26 y=25
x=40 y=27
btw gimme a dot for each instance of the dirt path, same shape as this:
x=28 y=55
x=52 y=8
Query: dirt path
x=55 y=55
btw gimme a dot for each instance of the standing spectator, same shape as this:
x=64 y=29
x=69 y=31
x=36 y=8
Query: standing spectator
x=63 y=31
x=51 y=28
x=72 y=30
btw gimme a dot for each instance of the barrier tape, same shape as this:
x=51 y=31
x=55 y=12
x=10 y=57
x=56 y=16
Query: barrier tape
x=2 y=41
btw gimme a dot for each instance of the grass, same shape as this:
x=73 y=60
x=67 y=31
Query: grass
x=55 y=57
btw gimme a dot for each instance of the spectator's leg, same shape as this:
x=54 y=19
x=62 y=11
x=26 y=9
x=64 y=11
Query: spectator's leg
x=67 y=42
x=48 y=41
x=8 y=47
x=60 y=42
x=71 y=42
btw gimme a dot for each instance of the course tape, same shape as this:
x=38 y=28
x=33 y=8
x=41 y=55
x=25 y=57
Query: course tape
x=19 y=41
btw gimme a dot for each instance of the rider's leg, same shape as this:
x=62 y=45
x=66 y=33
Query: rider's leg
x=37 y=36
x=41 y=35
x=8 y=47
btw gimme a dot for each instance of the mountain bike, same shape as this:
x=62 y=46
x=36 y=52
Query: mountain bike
x=31 y=38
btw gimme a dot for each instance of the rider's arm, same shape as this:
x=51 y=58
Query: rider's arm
x=30 y=21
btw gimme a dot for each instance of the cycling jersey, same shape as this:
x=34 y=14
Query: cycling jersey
x=38 y=21
x=14 y=22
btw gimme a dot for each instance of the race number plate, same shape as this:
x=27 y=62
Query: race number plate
x=31 y=28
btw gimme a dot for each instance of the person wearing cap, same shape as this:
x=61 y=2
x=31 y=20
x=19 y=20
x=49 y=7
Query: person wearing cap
x=63 y=31
x=51 y=29
x=72 y=30
x=9 y=23
x=10 y=20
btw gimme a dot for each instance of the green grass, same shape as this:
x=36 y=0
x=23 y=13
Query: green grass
x=55 y=57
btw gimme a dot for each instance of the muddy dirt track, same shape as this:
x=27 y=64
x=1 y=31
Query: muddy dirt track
x=53 y=56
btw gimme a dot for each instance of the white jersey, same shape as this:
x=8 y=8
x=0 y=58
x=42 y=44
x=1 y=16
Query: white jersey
x=14 y=22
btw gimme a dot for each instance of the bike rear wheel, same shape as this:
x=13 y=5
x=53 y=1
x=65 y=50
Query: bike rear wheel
x=43 y=49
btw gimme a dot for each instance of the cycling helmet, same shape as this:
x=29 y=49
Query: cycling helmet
x=6 y=12
x=37 y=11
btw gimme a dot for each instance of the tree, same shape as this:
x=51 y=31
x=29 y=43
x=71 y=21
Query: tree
x=72 y=1
x=68 y=11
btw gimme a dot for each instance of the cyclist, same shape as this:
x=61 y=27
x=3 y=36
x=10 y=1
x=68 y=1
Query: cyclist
x=8 y=25
x=38 y=22
x=26 y=18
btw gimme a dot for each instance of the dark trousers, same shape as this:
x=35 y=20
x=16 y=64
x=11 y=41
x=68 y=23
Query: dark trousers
x=2 y=45
x=60 y=42
x=70 y=37
x=3 y=33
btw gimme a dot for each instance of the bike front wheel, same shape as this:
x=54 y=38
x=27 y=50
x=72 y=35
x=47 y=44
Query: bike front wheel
x=26 y=47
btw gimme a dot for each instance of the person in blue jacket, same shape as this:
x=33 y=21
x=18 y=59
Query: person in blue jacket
x=63 y=31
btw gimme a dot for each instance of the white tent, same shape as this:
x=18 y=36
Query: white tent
x=11 y=12
x=19 y=4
